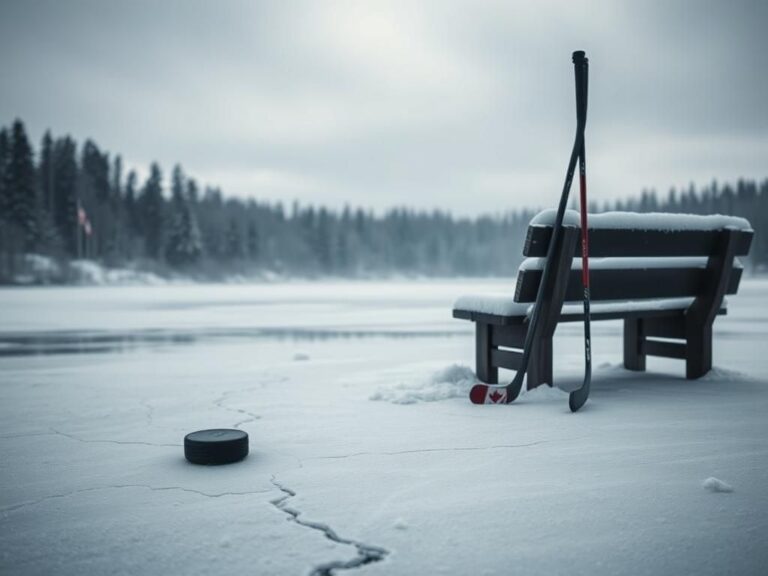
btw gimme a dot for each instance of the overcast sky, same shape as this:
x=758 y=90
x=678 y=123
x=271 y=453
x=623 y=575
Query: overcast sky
x=465 y=106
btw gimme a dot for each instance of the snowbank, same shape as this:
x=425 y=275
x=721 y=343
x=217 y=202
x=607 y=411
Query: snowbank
x=716 y=485
x=90 y=272
x=645 y=221
x=38 y=269
x=455 y=381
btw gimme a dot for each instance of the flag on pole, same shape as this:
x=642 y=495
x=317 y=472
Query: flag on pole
x=83 y=221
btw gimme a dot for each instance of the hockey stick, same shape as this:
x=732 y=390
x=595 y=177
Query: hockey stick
x=500 y=393
x=577 y=398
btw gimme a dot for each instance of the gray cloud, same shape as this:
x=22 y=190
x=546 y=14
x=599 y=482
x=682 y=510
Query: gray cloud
x=459 y=105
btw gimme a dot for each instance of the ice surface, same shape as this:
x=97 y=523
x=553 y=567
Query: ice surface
x=645 y=221
x=99 y=385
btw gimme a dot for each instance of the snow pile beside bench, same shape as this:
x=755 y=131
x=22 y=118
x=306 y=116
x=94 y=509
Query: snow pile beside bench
x=455 y=381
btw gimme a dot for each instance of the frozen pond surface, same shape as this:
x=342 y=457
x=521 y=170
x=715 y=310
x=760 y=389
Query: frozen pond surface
x=99 y=385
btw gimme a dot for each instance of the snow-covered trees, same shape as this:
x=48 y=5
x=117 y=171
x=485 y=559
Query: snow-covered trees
x=198 y=229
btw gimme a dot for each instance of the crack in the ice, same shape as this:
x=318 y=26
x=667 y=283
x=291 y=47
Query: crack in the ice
x=427 y=450
x=28 y=503
x=366 y=553
x=26 y=435
x=121 y=442
x=251 y=417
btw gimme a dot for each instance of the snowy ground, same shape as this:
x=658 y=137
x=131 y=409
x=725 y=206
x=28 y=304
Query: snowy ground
x=365 y=452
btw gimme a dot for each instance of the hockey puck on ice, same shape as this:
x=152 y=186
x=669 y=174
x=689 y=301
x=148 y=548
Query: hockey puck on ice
x=218 y=446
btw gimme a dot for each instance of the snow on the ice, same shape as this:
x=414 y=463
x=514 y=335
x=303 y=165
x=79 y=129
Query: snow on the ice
x=542 y=393
x=644 y=221
x=93 y=478
x=716 y=485
x=400 y=524
x=454 y=381
x=300 y=357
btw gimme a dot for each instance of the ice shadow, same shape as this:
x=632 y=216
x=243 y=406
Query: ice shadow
x=610 y=378
x=106 y=341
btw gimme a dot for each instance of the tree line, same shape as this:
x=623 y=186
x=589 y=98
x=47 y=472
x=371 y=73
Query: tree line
x=70 y=202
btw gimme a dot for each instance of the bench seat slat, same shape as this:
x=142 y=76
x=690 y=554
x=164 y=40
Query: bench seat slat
x=607 y=242
x=572 y=316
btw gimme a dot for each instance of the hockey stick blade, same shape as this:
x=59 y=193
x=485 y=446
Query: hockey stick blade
x=489 y=394
x=578 y=398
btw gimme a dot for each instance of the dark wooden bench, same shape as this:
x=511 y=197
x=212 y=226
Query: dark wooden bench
x=664 y=276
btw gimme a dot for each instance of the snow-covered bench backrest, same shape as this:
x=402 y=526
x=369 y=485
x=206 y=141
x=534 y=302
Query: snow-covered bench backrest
x=635 y=256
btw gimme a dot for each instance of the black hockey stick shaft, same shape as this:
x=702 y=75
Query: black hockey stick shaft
x=580 y=69
x=577 y=398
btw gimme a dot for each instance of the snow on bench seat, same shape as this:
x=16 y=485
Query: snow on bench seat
x=503 y=304
x=628 y=263
x=645 y=221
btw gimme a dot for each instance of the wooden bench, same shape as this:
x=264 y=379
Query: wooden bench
x=664 y=275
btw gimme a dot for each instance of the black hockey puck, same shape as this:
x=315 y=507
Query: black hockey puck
x=218 y=446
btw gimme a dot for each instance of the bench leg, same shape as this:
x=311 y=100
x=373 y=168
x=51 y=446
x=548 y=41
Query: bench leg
x=483 y=368
x=540 y=364
x=698 y=351
x=633 y=338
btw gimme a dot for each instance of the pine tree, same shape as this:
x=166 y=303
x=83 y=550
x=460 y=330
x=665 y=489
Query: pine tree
x=253 y=242
x=45 y=172
x=65 y=177
x=5 y=159
x=192 y=193
x=21 y=191
x=233 y=240
x=130 y=203
x=210 y=217
x=116 y=184
x=151 y=212
x=322 y=242
x=95 y=169
x=48 y=237
x=6 y=242
x=184 y=246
